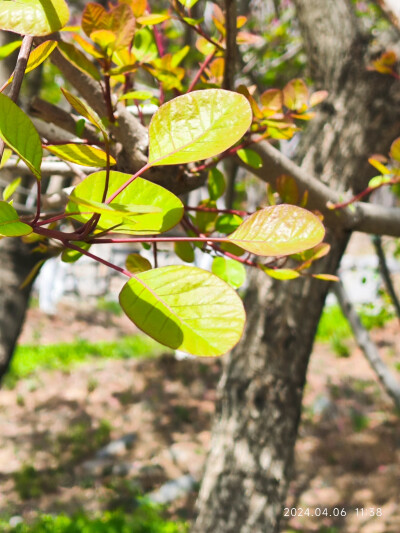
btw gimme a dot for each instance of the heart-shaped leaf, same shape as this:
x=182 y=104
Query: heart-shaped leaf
x=139 y=192
x=197 y=125
x=19 y=134
x=185 y=308
x=10 y=225
x=81 y=154
x=279 y=230
x=33 y=17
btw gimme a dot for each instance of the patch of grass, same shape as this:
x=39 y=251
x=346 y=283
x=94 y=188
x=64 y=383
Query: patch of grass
x=31 y=483
x=334 y=328
x=29 y=358
x=146 y=518
x=332 y=323
x=81 y=439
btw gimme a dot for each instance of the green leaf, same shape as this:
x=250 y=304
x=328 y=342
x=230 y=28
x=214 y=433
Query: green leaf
x=197 y=125
x=79 y=60
x=33 y=17
x=135 y=263
x=230 y=271
x=287 y=189
x=227 y=223
x=19 y=134
x=84 y=110
x=11 y=188
x=9 y=48
x=10 y=225
x=279 y=230
x=216 y=184
x=184 y=250
x=144 y=46
x=71 y=256
x=185 y=308
x=281 y=273
x=136 y=95
x=205 y=220
x=378 y=181
x=250 y=157
x=81 y=154
x=113 y=210
x=141 y=192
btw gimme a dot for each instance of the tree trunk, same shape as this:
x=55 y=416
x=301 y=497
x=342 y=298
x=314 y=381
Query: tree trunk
x=16 y=261
x=260 y=393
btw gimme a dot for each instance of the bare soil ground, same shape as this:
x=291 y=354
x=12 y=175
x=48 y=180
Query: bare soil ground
x=54 y=423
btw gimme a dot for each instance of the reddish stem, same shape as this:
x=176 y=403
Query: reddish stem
x=363 y=193
x=125 y=185
x=99 y=259
x=217 y=210
x=202 y=68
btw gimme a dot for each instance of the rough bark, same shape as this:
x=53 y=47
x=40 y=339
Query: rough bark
x=260 y=393
x=16 y=261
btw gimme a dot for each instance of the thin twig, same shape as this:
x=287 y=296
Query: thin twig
x=383 y=267
x=18 y=76
x=364 y=341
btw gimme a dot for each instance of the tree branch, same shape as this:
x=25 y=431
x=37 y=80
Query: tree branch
x=230 y=50
x=367 y=218
x=388 y=381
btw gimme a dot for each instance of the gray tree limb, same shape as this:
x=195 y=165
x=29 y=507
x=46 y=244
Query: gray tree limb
x=364 y=341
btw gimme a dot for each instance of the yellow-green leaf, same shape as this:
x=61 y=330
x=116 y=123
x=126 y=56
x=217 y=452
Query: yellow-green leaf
x=279 y=230
x=141 y=192
x=33 y=17
x=79 y=60
x=81 y=154
x=185 y=308
x=154 y=18
x=10 y=225
x=11 y=188
x=19 y=134
x=8 y=48
x=281 y=273
x=197 y=125
x=395 y=150
x=84 y=110
x=230 y=271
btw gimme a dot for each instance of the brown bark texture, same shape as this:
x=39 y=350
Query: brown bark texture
x=16 y=262
x=260 y=394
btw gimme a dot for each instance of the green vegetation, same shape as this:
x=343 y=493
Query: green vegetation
x=334 y=328
x=145 y=519
x=29 y=358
